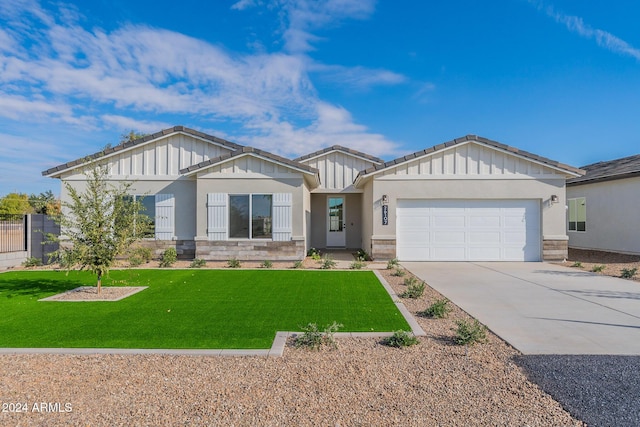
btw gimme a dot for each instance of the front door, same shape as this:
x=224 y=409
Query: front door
x=336 y=234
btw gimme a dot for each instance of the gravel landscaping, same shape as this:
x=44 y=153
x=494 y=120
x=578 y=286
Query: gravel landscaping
x=613 y=263
x=601 y=390
x=361 y=383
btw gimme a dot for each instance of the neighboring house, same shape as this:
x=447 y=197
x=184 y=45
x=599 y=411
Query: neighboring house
x=467 y=199
x=603 y=207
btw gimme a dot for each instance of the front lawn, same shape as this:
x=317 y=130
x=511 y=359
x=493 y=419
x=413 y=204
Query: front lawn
x=240 y=309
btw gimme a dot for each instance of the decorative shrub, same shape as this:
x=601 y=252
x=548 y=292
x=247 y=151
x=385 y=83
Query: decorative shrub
x=313 y=338
x=598 y=268
x=469 y=333
x=362 y=255
x=327 y=263
x=357 y=265
x=577 y=264
x=139 y=256
x=392 y=263
x=32 y=262
x=298 y=264
x=314 y=254
x=266 y=264
x=409 y=281
x=169 y=257
x=233 y=263
x=401 y=339
x=198 y=263
x=628 y=273
x=439 y=309
x=399 y=272
x=414 y=290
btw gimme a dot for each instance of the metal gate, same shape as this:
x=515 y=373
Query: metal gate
x=13 y=233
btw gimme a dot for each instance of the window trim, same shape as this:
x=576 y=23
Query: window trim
x=250 y=225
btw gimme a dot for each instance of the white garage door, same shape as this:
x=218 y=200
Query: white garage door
x=468 y=230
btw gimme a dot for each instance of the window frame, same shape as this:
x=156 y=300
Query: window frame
x=575 y=207
x=250 y=224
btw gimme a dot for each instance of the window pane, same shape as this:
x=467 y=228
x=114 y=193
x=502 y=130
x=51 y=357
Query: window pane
x=335 y=213
x=149 y=205
x=261 y=216
x=572 y=226
x=239 y=217
x=582 y=226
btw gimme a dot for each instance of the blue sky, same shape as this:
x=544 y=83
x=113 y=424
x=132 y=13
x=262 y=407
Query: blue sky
x=559 y=78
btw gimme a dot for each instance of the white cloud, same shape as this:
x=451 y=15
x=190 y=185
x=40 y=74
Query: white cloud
x=359 y=77
x=127 y=124
x=305 y=16
x=577 y=25
x=54 y=70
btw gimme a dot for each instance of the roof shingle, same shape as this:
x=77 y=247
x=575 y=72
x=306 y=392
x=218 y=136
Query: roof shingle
x=609 y=170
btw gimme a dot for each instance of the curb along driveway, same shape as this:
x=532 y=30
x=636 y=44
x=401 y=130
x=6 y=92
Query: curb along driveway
x=542 y=308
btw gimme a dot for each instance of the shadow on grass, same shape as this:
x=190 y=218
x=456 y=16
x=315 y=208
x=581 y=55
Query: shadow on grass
x=37 y=287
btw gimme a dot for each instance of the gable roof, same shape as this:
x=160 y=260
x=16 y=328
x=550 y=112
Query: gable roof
x=470 y=138
x=243 y=151
x=140 y=141
x=342 y=149
x=625 y=167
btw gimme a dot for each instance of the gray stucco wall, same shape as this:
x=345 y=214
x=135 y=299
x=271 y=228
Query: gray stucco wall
x=613 y=219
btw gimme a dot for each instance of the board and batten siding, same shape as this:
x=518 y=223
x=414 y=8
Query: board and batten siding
x=282 y=217
x=471 y=159
x=217 y=214
x=164 y=157
x=337 y=170
x=248 y=165
x=165 y=216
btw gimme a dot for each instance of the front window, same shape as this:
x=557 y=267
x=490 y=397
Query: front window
x=578 y=214
x=250 y=216
x=148 y=204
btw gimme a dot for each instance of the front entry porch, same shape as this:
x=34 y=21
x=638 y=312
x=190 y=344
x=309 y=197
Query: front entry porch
x=336 y=220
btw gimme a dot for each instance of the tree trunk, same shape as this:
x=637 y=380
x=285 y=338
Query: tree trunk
x=99 y=284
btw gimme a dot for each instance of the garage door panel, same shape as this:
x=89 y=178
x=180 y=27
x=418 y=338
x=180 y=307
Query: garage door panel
x=447 y=253
x=485 y=254
x=448 y=237
x=484 y=221
x=453 y=220
x=459 y=230
x=485 y=238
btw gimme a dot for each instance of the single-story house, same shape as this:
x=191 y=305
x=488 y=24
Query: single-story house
x=466 y=199
x=604 y=205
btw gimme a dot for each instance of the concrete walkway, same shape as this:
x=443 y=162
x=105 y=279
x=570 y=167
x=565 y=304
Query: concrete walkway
x=542 y=308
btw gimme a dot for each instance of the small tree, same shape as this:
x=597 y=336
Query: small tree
x=99 y=224
x=15 y=204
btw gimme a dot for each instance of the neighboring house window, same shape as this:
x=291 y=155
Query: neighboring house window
x=250 y=216
x=578 y=214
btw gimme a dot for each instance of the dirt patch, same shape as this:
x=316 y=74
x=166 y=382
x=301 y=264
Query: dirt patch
x=614 y=263
x=90 y=293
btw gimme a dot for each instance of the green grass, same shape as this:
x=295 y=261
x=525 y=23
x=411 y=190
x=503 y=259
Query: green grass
x=240 y=309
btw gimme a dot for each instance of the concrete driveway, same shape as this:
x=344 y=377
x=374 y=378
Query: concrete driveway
x=542 y=308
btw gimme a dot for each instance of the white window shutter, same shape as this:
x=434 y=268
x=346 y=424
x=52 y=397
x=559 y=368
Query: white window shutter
x=165 y=217
x=282 y=216
x=217 y=216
